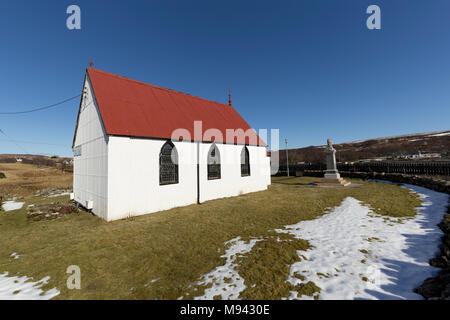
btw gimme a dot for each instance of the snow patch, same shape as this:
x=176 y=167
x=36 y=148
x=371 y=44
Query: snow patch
x=12 y=205
x=225 y=280
x=15 y=255
x=21 y=288
x=151 y=281
x=440 y=134
x=58 y=195
x=358 y=254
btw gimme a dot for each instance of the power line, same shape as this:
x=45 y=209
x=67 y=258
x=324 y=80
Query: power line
x=13 y=141
x=42 y=108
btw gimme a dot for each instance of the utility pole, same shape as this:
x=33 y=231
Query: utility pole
x=287 y=157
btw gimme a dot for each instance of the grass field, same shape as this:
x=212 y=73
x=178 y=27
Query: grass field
x=161 y=255
x=23 y=180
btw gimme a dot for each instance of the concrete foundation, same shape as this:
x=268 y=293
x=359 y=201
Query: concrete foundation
x=335 y=182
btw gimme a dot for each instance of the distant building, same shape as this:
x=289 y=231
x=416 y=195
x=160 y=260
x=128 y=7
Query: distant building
x=19 y=160
x=127 y=162
x=419 y=155
x=431 y=155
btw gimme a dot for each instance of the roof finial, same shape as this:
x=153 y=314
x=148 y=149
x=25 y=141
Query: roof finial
x=91 y=63
x=229 y=96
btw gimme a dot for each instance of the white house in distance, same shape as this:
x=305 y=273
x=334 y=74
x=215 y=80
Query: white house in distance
x=139 y=148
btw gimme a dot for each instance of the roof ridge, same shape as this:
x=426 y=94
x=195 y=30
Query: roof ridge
x=154 y=86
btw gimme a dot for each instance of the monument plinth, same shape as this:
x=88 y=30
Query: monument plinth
x=332 y=175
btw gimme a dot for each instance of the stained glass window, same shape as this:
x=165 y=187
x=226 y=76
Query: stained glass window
x=168 y=164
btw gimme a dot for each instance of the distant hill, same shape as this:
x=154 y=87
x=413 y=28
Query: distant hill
x=379 y=148
x=39 y=160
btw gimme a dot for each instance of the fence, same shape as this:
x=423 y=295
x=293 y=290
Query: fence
x=441 y=168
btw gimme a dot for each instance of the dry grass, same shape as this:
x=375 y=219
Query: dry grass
x=119 y=259
x=267 y=267
x=24 y=180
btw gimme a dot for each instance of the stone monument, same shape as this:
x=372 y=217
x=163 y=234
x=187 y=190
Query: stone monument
x=332 y=175
x=331 y=171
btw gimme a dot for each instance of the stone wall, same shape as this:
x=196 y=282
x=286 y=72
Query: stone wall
x=438 y=288
x=428 y=182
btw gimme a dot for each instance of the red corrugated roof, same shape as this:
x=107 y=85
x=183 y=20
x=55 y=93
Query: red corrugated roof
x=133 y=108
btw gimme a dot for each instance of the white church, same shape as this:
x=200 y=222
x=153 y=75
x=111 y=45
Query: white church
x=140 y=148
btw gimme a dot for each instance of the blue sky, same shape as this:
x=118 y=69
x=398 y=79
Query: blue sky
x=309 y=68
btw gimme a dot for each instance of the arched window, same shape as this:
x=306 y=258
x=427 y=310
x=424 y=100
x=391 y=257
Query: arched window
x=245 y=162
x=168 y=164
x=213 y=163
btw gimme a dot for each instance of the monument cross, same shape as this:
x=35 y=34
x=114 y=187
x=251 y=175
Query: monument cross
x=330 y=152
x=332 y=175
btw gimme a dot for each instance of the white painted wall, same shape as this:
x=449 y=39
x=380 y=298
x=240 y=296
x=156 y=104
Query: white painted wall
x=133 y=171
x=90 y=179
x=134 y=178
x=231 y=182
